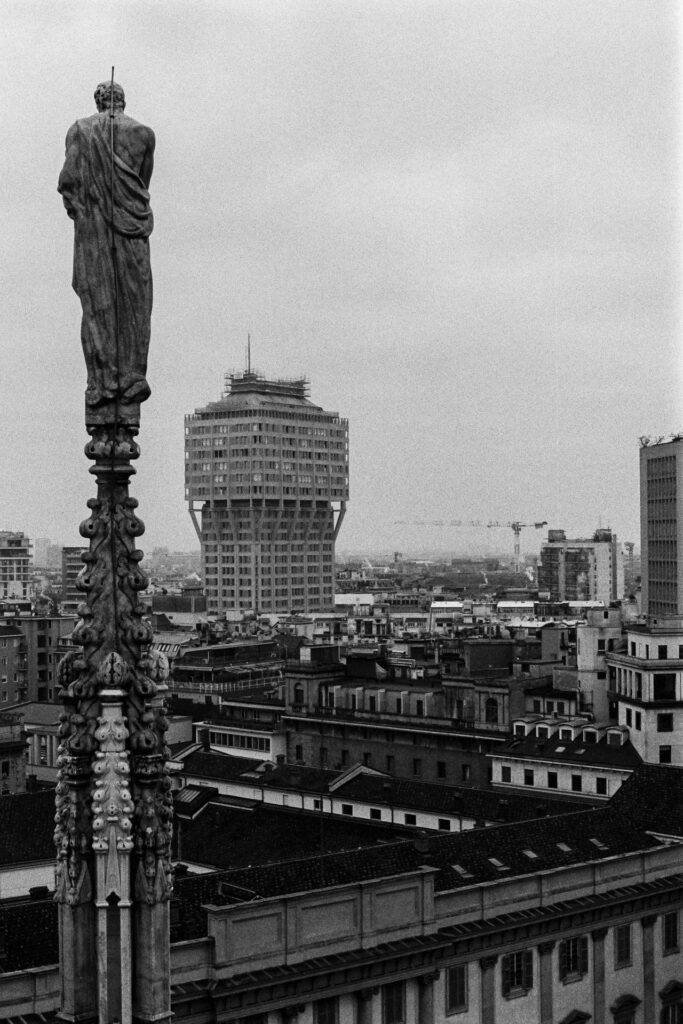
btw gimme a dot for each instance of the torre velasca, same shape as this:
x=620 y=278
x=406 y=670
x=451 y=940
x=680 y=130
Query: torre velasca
x=267 y=481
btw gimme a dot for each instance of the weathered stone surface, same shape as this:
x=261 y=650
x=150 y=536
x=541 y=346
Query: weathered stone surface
x=105 y=192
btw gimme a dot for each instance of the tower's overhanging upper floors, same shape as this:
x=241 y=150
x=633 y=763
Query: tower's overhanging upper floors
x=267 y=481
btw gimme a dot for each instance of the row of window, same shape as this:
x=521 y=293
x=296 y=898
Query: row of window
x=576 y=781
x=239 y=740
x=517 y=976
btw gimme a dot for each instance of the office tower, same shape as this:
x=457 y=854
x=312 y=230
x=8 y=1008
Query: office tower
x=266 y=476
x=585 y=569
x=661 y=528
x=15 y=558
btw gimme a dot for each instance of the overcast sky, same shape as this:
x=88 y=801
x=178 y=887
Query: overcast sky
x=460 y=219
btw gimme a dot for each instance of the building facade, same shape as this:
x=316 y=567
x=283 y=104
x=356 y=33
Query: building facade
x=71 y=567
x=661 y=528
x=582 y=569
x=598 y=636
x=266 y=479
x=44 y=643
x=15 y=561
x=568 y=920
x=646 y=687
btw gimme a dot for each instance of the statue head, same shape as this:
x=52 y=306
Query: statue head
x=103 y=97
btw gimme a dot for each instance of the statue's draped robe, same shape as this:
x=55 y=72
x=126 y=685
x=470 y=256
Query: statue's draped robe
x=112 y=273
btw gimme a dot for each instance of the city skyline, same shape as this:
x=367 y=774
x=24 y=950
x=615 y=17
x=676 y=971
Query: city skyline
x=459 y=222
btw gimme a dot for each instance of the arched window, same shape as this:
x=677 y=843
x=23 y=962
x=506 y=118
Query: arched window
x=491 y=708
x=672 y=1003
x=624 y=1009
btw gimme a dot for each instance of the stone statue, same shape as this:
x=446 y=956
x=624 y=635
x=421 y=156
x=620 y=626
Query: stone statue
x=106 y=196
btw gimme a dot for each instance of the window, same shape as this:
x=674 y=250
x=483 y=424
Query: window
x=367 y=758
x=347 y=809
x=665 y=722
x=670 y=932
x=391 y=762
x=664 y=686
x=623 y=1010
x=576 y=783
x=491 y=711
x=326 y=1011
x=517 y=973
x=417 y=766
x=419 y=707
x=506 y=773
x=601 y=645
x=441 y=769
x=410 y=819
x=298 y=752
x=393 y=1003
x=662 y=652
x=672 y=1003
x=629 y=717
x=601 y=785
x=552 y=780
x=622 y=945
x=376 y=813
x=456 y=989
x=665 y=755
x=444 y=825
x=465 y=772
x=528 y=776
x=573 y=958
x=639 y=721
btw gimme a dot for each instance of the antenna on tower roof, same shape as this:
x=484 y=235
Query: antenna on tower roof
x=248 y=353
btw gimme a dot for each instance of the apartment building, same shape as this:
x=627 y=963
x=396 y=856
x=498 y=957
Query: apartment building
x=15 y=561
x=585 y=569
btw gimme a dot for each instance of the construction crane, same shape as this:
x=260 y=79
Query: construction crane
x=515 y=526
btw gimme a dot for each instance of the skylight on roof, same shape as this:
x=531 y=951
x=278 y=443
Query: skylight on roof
x=564 y=847
x=581 y=750
x=463 y=872
x=560 y=750
x=498 y=864
x=186 y=796
x=530 y=854
x=599 y=843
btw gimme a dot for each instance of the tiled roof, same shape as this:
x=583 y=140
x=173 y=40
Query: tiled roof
x=27 y=821
x=461 y=859
x=209 y=765
x=226 y=836
x=39 y=712
x=29 y=930
x=575 y=751
x=652 y=797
